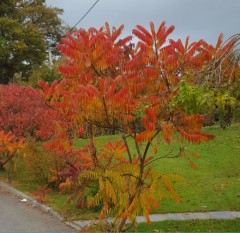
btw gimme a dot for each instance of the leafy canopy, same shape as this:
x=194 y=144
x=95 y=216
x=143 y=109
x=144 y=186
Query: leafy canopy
x=23 y=112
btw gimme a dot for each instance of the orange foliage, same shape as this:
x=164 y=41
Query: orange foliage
x=9 y=145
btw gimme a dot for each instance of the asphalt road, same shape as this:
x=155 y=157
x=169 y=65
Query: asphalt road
x=17 y=216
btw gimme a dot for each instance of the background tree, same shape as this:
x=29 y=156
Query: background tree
x=23 y=114
x=214 y=91
x=45 y=18
x=220 y=81
x=27 y=30
x=45 y=73
x=23 y=111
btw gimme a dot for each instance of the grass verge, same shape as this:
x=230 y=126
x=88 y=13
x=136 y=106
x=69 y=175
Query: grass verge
x=190 y=226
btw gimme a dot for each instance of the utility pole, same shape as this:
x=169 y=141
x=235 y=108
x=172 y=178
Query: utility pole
x=50 y=58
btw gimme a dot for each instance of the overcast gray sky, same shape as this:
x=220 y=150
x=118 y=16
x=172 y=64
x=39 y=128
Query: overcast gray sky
x=200 y=19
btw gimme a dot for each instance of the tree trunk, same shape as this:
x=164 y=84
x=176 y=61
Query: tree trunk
x=121 y=224
x=1 y=167
x=6 y=74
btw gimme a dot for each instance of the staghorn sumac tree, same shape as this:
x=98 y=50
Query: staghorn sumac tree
x=109 y=84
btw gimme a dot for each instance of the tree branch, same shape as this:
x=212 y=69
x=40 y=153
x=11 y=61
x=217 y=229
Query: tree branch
x=127 y=147
x=149 y=143
x=167 y=156
x=138 y=151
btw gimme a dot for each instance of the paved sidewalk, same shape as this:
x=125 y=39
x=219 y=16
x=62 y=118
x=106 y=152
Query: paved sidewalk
x=171 y=216
x=83 y=223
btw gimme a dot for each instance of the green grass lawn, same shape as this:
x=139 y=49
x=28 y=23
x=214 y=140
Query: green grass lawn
x=215 y=185
x=190 y=226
